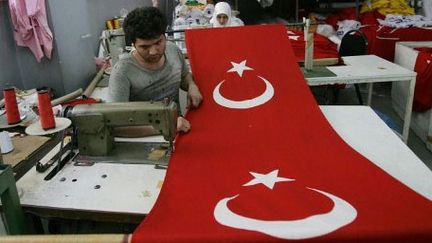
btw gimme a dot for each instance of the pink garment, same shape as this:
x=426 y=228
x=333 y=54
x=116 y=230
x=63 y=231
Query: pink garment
x=30 y=26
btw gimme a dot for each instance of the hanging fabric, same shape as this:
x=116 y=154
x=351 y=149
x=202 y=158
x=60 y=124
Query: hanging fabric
x=30 y=26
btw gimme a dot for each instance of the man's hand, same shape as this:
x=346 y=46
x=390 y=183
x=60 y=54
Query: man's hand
x=183 y=125
x=194 y=95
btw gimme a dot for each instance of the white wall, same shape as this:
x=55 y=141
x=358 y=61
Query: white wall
x=77 y=26
x=9 y=71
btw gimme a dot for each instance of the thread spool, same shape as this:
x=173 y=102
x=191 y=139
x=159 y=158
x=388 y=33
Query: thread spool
x=6 y=144
x=109 y=24
x=12 y=112
x=116 y=23
x=46 y=115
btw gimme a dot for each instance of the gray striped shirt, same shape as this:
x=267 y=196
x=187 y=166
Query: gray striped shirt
x=129 y=81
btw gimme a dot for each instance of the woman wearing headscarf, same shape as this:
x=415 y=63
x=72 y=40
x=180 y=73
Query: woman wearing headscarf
x=222 y=16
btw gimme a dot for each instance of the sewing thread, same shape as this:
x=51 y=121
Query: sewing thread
x=46 y=115
x=12 y=112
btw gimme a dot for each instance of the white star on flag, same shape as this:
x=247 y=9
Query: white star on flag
x=239 y=68
x=294 y=37
x=267 y=180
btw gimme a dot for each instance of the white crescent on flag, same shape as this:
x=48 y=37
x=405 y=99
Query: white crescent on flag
x=243 y=104
x=341 y=214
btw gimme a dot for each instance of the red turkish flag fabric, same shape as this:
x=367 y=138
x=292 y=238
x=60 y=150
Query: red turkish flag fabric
x=382 y=39
x=423 y=88
x=261 y=162
x=323 y=47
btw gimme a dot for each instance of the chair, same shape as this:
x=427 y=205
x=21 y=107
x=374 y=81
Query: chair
x=354 y=43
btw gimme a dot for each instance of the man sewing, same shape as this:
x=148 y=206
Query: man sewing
x=155 y=70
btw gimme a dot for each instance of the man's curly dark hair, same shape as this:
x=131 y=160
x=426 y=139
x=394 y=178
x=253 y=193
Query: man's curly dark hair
x=144 y=23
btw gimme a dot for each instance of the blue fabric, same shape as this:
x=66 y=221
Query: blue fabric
x=387 y=120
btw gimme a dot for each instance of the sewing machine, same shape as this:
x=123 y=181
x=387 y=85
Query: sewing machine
x=94 y=125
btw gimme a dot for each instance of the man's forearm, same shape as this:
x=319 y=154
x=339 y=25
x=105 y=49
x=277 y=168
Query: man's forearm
x=186 y=82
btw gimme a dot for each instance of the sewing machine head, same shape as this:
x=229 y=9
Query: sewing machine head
x=94 y=123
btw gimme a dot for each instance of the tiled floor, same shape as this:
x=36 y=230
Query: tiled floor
x=381 y=102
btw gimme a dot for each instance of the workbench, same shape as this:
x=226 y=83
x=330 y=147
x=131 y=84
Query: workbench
x=126 y=192
x=371 y=69
x=27 y=150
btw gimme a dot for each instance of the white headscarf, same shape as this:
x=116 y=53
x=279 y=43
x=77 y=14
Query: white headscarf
x=224 y=8
x=221 y=8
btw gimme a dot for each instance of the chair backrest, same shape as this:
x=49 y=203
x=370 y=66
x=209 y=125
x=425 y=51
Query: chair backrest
x=354 y=43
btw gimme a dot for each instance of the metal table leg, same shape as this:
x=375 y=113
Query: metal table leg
x=408 y=111
x=13 y=214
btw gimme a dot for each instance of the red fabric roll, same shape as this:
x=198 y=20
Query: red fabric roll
x=80 y=102
x=12 y=112
x=46 y=115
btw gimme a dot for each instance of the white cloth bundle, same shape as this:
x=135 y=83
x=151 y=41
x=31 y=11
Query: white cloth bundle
x=399 y=21
x=346 y=25
x=208 y=11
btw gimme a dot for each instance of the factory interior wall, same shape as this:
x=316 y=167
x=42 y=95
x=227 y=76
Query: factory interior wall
x=9 y=71
x=76 y=27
